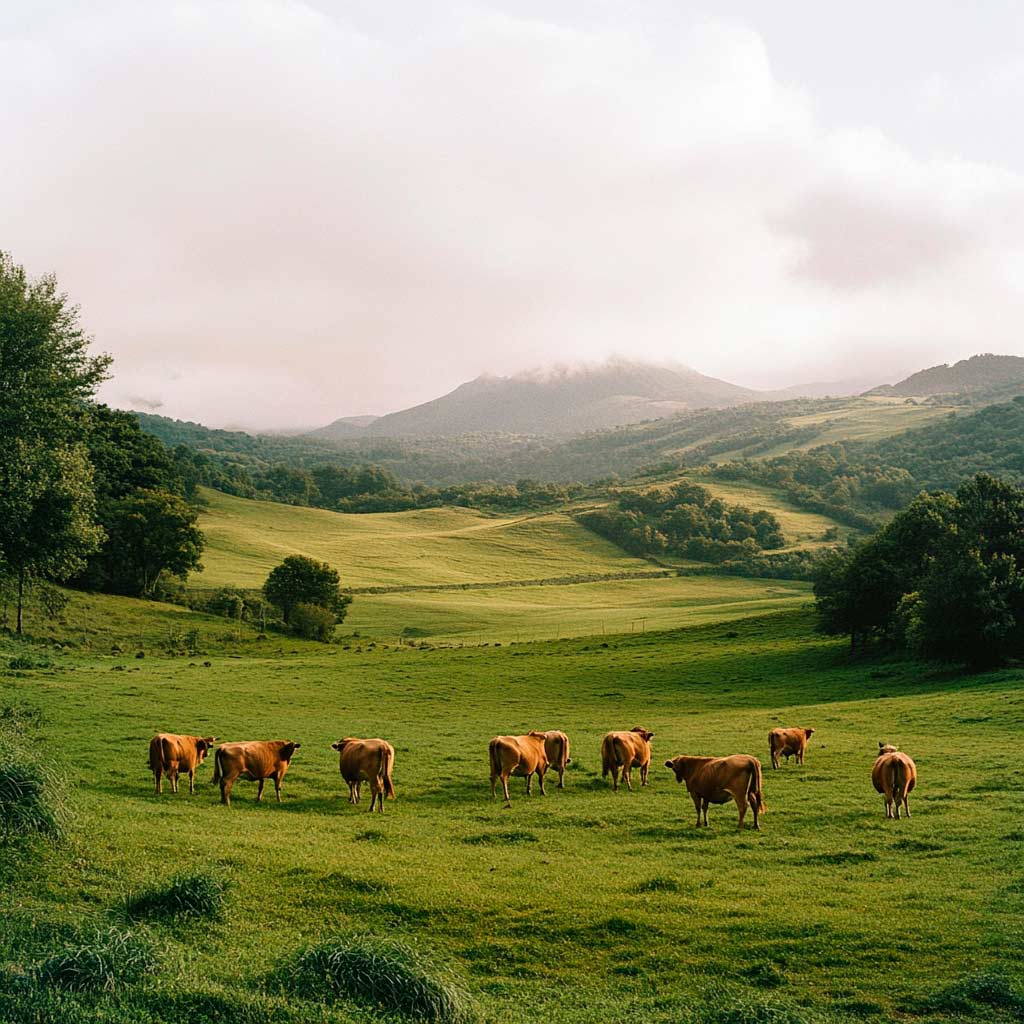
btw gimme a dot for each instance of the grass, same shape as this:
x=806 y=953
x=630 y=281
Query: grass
x=110 y=959
x=189 y=894
x=584 y=609
x=584 y=906
x=246 y=539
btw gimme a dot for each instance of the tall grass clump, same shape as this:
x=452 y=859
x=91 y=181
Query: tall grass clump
x=106 y=961
x=33 y=797
x=389 y=976
x=190 y=894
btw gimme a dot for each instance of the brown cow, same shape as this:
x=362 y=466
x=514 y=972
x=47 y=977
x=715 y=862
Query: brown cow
x=788 y=742
x=623 y=750
x=717 y=780
x=257 y=761
x=556 y=746
x=170 y=753
x=518 y=755
x=894 y=775
x=366 y=759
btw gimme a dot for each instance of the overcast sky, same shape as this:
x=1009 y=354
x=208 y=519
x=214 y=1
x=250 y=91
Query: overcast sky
x=274 y=213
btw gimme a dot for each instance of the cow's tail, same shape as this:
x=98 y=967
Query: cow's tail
x=154 y=755
x=562 y=758
x=165 y=753
x=218 y=767
x=607 y=756
x=754 y=795
x=386 y=758
x=494 y=759
x=899 y=778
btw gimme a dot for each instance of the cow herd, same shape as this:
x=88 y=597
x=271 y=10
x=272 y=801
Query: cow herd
x=709 y=780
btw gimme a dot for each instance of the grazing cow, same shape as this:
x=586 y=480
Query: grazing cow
x=717 y=780
x=257 y=761
x=366 y=759
x=518 y=755
x=624 y=750
x=894 y=775
x=788 y=742
x=556 y=746
x=170 y=754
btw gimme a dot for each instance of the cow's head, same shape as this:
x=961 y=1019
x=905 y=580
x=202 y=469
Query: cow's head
x=808 y=733
x=204 y=746
x=340 y=745
x=886 y=748
x=644 y=734
x=677 y=765
x=288 y=750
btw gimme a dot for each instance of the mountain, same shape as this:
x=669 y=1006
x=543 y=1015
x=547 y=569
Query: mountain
x=981 y=378
x=822 y=389
x=344 y=429
x=560 y=400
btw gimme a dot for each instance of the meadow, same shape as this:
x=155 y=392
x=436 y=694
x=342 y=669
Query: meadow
x=584 y=906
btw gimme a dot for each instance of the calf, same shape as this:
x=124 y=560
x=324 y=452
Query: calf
x=257 y=761
x=366 y=759
x=518 y=755
x=624 y=750
x=894 y=775
x=170 y=754
x=556 y=746
x=788 y=742
x=716 y=780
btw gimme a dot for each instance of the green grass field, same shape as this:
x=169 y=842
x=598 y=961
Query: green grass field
x=584 y=906
x=246 y=539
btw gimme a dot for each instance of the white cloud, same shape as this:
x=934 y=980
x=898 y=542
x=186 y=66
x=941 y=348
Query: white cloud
x=274 y=213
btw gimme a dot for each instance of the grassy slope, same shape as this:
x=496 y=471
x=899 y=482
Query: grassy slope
x=541 y=906
x=246 y=539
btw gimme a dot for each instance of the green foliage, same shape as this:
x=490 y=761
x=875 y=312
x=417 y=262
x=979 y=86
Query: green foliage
x=189 y=894
x=313 y=622
x=301 y=580
x=150 y=533
x=33 y=794
x=945 y=577
x=684 y=520
x=389 y=976
x=107 y=960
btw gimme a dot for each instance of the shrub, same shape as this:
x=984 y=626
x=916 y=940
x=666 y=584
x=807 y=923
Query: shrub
x=312 y=622
x=188 y=894
x=33 y=801
x=106 y=961
x=390 y=976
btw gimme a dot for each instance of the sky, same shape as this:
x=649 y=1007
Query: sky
x=273 y=213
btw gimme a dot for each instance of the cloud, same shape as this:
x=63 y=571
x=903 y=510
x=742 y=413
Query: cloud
x=141 y=402
x=275 y=213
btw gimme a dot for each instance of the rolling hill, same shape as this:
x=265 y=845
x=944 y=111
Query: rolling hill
x=983 y=377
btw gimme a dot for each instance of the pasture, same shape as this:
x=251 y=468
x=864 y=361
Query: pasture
x=583 y=906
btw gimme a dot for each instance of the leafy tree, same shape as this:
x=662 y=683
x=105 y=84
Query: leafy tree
x=46 y=488
x=313 y=622
x=301 y=580
x=151 y=532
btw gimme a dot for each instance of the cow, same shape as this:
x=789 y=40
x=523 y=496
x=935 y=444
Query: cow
x=257 y=761
x=366 y=759
x=894 y=775
x=788 y=742
x=518 y=755
x=623 y=750
x=556 y=746
x=170 y=754
x=717 y=780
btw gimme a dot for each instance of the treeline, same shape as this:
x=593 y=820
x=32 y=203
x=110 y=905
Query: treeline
x=684 y=520
x=858 y=483
x=943 y=579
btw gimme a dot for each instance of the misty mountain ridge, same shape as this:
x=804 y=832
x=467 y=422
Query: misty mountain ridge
x=563 y=400
x=985 y=376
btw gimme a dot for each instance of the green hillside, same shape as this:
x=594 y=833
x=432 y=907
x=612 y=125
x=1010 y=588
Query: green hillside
x=581 y=907
x=246 y=539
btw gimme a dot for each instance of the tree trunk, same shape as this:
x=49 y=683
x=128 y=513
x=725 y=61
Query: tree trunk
x=21 y=597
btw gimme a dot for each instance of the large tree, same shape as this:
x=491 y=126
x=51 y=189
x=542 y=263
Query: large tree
x=46 y=376
x=300 y=580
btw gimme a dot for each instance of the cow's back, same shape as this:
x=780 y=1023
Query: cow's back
x=363 y=758
x=556 y=748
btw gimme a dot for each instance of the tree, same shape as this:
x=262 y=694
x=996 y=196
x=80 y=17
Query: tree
x=301 y=580
x=46 y=374
x=151 y=532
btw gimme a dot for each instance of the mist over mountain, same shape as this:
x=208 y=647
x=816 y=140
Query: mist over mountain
x=985 y=376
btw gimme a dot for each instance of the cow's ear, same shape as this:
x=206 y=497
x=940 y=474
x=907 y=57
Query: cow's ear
x=669 y=764
x=336 y=746
x=296 y=745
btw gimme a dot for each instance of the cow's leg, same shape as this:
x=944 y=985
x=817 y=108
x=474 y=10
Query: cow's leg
x=504 y=788
x=906 y=803
x=259 y=790
x=494 y=783
x=627 y=771
x=775 y=758
x=644 y=769
x=615 y=777
x=540 y=779
x=561 y=778
x=225 y=790
x=278 y=777
x=172 y=774
x=158 y=775
x=376 y=794
x=741 y=803
x=704 y=808
x=529 y=783
x=696 y=803
x=191 y=782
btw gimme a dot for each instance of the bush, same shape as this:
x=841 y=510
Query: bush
x=33 y=801
x=312 y=622
x=108 y=960
x=189 y=894
x=390 y=976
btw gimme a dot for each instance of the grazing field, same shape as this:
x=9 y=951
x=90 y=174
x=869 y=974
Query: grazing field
x=584 y=906
x=580 y=609
x=246 y=539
